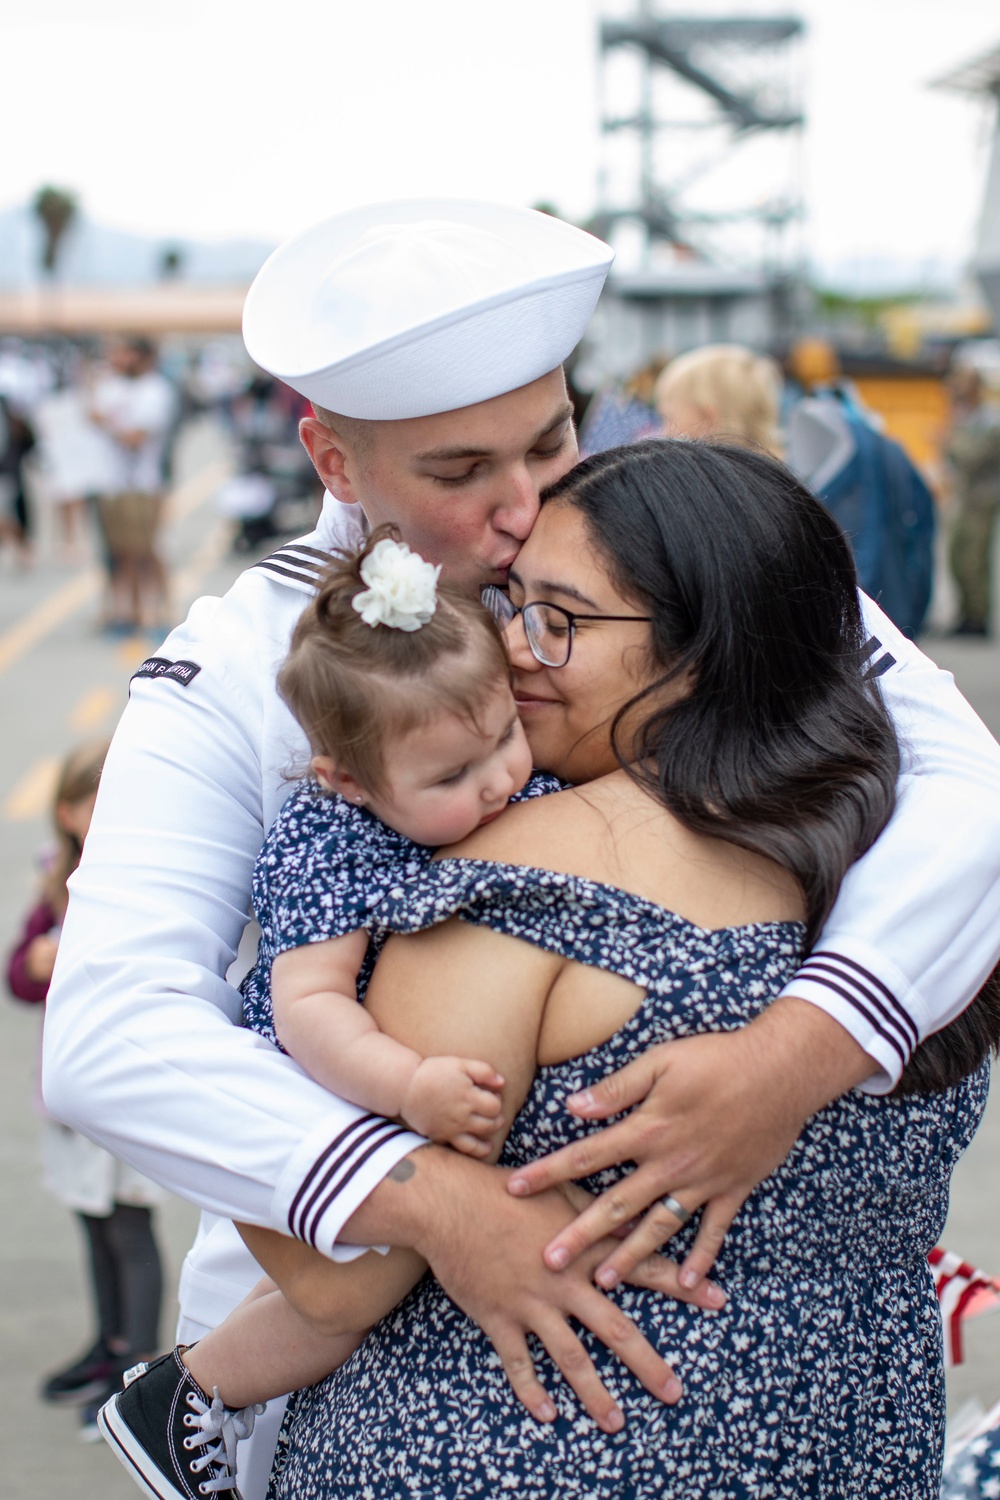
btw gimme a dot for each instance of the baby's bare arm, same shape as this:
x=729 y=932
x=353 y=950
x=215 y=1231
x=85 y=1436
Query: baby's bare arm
x=318 y=1021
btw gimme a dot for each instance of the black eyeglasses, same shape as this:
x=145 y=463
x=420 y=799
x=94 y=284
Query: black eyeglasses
x=548 y=628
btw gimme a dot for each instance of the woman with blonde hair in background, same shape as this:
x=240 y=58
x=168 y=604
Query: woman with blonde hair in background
x=722 y=391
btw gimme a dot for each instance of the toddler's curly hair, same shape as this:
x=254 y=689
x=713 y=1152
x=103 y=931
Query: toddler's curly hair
x=355 y=688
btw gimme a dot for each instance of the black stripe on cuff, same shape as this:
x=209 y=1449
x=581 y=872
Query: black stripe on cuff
x=337 y=1165
x=321 y=1207
x=813 y=971
x=339 y=1143
x=904 y=1056
x=873 y=983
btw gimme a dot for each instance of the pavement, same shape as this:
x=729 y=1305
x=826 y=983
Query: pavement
x=60 y=681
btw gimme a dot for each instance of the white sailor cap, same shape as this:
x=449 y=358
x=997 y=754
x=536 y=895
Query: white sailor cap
x=404 y=309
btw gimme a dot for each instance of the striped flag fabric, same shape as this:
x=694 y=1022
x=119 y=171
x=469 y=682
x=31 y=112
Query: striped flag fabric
x=963 y=1292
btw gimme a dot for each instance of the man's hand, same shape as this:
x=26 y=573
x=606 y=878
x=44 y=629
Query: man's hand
x=713 y=1116
x=485 y=1248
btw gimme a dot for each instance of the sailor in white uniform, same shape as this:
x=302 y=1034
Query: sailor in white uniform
x=430 y=338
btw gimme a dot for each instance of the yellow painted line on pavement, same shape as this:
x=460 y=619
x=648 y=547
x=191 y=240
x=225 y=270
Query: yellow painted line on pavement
x=81 y=590
x=32 y=796
x=45 y=617
x=93 y=709
x=213 y=549
x=187 y=497
x=133 y=650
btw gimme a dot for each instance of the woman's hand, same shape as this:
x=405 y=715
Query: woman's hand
x=713 y=1115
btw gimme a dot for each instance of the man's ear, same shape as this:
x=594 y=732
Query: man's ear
x=332 y=456
x=333 y=779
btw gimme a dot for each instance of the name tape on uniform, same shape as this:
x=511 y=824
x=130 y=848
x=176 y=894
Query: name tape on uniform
x=183 y=672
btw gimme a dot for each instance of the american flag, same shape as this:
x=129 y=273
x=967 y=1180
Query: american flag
x=963 y=1292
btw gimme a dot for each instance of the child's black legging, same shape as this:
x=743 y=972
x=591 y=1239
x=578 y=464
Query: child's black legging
x=127 y=1277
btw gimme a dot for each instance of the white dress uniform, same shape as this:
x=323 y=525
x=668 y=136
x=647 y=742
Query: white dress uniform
x=144 y=1051
x=141 y=1048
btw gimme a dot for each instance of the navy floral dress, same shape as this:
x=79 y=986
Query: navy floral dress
x=324 y=868
x=822 y=1376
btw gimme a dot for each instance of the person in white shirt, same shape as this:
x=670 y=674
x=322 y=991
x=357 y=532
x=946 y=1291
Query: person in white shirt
x=133 y=407
x=430 y=339
x=76 y=459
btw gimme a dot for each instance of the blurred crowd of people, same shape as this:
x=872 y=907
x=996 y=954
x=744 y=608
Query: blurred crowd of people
x=804 y=412
x=90 y=433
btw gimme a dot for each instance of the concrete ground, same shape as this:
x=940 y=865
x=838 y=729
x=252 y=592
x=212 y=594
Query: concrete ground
x=60 y=681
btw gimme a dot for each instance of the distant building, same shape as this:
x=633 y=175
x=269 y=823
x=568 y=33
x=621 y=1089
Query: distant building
x=651 y=313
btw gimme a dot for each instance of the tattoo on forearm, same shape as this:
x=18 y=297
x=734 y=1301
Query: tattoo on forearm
x=402 y=1171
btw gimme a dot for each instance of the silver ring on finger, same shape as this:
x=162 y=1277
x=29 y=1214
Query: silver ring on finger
x=677 y=1209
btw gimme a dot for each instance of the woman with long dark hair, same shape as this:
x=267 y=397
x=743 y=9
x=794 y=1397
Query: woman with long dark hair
x=685 y=632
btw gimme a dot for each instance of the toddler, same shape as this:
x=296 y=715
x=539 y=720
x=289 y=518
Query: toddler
x=113 y=1203
x=404 y=693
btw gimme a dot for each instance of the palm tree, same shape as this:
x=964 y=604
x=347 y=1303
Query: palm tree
x=57 y=210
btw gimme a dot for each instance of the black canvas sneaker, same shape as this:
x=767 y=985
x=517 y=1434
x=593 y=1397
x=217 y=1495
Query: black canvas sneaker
x=175 y=1442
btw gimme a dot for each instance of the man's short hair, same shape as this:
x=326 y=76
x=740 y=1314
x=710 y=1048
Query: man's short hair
x=359 y=431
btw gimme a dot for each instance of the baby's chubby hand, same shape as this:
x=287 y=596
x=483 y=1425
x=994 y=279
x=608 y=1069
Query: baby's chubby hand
x=455 y=1101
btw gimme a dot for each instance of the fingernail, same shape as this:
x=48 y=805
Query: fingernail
x=546 y=1412
x=615 y=1421
x=583 y=1100
x=518 y=1186
x=673 y=1390
x=607 y=1277
x=716 y=1296
x=558 y=1258
x=689 y=1279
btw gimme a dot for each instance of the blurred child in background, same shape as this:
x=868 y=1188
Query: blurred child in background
x=112 y=1202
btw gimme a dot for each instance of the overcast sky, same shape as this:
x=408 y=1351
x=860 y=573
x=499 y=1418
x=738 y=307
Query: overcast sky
x=217 y=118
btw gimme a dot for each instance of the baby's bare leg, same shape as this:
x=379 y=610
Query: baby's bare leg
x=265 y=1349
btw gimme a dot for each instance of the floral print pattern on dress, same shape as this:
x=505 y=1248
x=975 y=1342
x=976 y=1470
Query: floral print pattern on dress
x=821 y=1379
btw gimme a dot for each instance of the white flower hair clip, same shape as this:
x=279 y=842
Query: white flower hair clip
x=402 y=587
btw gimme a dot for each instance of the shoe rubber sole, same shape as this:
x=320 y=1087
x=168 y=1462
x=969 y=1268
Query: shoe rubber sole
x=133 y=1456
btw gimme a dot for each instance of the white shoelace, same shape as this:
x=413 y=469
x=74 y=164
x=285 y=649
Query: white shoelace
x=217 y=1424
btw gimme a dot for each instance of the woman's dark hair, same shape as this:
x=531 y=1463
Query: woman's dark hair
x=781 y=745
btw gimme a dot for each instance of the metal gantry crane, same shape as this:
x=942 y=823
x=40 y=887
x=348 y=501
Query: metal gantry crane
x=702 y=54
